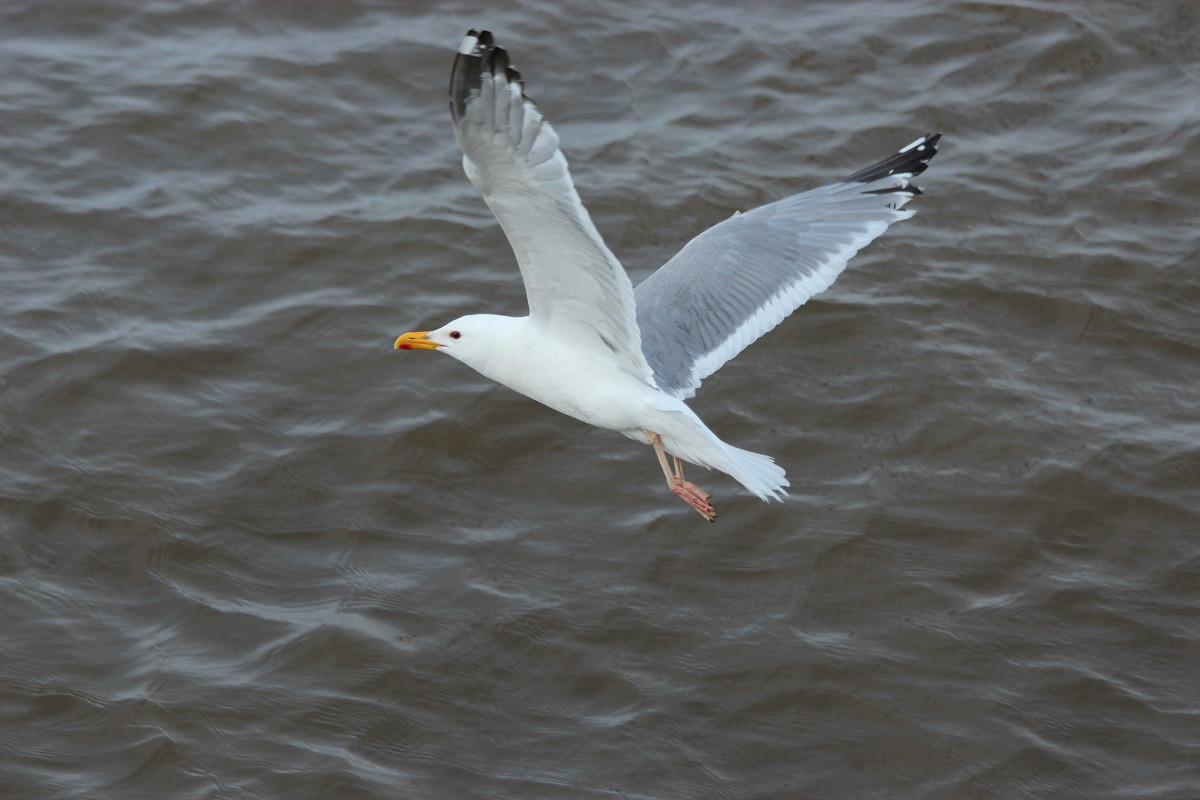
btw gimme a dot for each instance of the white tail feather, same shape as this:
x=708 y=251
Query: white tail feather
x=758 y=473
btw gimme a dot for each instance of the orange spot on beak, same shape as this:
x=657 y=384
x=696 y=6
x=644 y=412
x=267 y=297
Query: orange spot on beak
x=417 y=340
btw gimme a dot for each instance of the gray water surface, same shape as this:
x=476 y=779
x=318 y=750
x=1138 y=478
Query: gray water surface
x=249 y=551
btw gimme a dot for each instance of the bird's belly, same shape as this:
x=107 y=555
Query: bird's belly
x=616 y=403
x=597 y=391
x=591 y=390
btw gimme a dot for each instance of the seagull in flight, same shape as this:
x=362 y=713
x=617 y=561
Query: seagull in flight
x=597 y=349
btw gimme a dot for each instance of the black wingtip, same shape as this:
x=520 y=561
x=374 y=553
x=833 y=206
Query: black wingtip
x=478 y=54
x=496 y=60
x=910 y=160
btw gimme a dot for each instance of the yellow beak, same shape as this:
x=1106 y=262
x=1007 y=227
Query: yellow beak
x=417 y=340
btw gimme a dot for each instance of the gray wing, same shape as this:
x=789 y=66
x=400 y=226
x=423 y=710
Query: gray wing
x=742 y=277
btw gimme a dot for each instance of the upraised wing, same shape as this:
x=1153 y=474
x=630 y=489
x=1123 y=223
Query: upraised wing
x=574 y=284
x=742 y=277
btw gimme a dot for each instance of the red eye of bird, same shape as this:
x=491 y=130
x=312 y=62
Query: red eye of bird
x=455 y=335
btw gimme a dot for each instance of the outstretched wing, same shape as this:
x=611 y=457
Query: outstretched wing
x=742 y=277
x=574 y=284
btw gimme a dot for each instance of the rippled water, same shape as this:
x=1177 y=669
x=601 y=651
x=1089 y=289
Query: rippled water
x=250 y=551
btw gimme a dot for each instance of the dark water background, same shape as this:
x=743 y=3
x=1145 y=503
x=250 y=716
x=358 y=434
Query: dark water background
x=248 y=551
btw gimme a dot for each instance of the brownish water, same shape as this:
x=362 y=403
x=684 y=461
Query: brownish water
x=248 y=551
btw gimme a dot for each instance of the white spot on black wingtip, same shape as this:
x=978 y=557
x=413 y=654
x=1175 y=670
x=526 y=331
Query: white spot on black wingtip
x=470 y=43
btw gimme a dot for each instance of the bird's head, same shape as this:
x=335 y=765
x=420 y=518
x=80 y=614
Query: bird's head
x=470 y=339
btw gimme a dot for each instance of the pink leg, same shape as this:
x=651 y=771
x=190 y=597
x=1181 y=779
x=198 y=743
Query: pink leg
x=689 y=492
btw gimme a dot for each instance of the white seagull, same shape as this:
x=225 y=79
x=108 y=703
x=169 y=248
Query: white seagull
x=595 y=348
